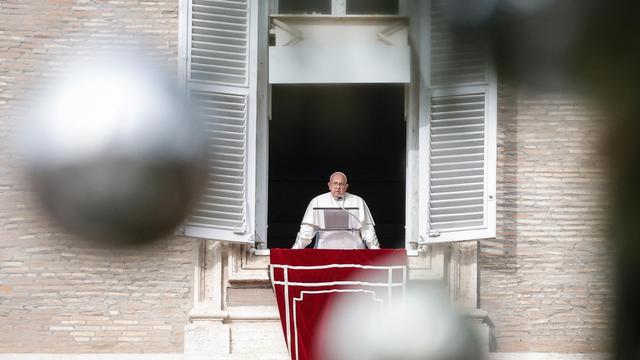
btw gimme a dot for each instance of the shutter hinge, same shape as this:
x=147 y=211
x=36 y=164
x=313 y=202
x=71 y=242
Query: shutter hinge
x=259 y=243
x=416 y=244
x=240 y=230
x=422 y=245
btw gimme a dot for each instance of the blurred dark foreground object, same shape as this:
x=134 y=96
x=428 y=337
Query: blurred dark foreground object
x=115 y=153
x=592 y=47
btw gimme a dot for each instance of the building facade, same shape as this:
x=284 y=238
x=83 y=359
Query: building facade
x=525 y=254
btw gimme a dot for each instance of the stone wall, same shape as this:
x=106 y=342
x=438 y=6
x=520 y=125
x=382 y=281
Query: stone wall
x=58 y=293
x=546 y=279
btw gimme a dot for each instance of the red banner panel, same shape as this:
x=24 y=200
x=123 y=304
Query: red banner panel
x=308 y=282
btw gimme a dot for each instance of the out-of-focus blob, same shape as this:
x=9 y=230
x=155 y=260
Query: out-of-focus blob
x=527 y=6
x=114 y=152
x=423 y=326
x=532 y=42
x=466 y=13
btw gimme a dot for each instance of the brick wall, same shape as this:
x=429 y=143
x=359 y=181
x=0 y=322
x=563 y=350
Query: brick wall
x=546 y=279
x=61 y=294
x=58 y=293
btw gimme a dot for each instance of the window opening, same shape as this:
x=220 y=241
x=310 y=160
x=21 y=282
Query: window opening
x=304 y=6
x=372 y=7
x=317 y=129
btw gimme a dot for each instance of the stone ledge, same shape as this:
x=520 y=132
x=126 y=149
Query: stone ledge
x=492 y=356
x=121 y=356
x=203 y=312
x=547 y=356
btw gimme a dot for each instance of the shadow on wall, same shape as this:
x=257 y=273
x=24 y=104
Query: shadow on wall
x=500 y=254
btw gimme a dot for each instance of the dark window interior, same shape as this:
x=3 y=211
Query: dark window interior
x=377 y=7
x=304 y=6
x=318 y=129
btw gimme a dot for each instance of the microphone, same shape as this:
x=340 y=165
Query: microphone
x=340 y=202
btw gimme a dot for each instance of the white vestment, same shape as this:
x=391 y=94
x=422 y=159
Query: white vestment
x=360 y=224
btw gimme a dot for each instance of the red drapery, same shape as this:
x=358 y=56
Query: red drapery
x=308 y=281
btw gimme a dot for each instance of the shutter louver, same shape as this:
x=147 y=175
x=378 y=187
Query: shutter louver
x=223 y=202
x=457 y=190
x=219 y=42
x=455 y=58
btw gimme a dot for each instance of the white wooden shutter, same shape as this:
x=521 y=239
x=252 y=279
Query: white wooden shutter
x=460 y=144
x=220 y=77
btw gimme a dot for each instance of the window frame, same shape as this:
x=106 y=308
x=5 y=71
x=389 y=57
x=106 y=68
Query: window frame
x=417 y=98
x=338 y=7
x=411 y=152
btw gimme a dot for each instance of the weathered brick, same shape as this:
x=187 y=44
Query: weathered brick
x=545 y=280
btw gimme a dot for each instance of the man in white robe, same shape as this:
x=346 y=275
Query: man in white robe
x=357 y=225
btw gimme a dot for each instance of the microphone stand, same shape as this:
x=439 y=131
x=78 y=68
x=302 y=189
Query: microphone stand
x=340 y=202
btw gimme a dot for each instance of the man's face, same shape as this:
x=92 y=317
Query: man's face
x=338 y=185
